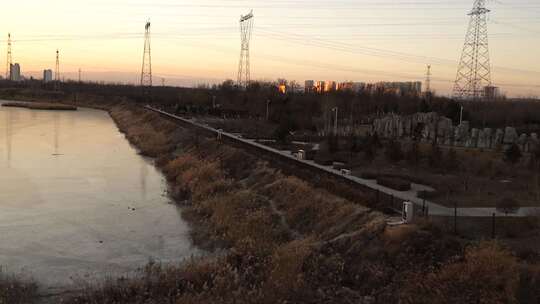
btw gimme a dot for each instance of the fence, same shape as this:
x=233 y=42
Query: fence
x=495 y=226
x=342 y=185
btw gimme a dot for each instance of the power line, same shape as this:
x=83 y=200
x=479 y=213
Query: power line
x=338 y=46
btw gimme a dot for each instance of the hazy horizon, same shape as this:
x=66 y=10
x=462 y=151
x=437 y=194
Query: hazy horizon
x=195 y=43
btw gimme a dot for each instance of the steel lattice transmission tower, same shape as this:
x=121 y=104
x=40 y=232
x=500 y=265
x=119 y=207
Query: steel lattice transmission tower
x=9 y=60
x=474 y=72
x=246 y=27
x=146 y=72
x=57 y=67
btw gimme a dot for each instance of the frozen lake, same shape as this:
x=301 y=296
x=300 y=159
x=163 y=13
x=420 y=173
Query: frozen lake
x=77 y=202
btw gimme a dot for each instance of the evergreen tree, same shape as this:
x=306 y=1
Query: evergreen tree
x=413 y=154
x=435 y=156
x=512 y=154
x=369 y=152
x=393 y=151
x=451 y=162
x=333 y=143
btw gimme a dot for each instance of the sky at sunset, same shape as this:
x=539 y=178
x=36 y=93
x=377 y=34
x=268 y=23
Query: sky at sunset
x=197 y=42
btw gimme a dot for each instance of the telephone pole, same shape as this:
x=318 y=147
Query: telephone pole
x=80 y=79
x=474 y=71
x=146 y=71
x=246 y=28
x=9 y=60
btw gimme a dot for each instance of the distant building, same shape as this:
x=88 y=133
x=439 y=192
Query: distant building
x=491 y=92
x=15 y=72
x=331 y=86
x=319 y=86
x=359 y=86
x=282 y=86
x=47 y=75
x=345 y=86
x=309 y=86
x=400 y=88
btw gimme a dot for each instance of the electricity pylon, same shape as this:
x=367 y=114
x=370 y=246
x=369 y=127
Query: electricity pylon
x=246 y=28
x=9 y=60
x=146 y=72
x=474 y=71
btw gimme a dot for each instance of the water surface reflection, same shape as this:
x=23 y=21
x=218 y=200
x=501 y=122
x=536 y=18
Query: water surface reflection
x=77 y=202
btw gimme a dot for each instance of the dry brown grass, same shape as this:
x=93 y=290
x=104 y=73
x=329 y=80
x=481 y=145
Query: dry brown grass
x=150 y=134
x=16 y=291
x=488 y=273
x=287 y=267
x=307 y=210
x=342 y=254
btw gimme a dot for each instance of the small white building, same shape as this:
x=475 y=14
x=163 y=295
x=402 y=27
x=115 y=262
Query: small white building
x=15 y=72
x=47 y=75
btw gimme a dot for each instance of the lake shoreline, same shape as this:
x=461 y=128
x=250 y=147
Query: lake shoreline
x=96 y=238
x=40 y=106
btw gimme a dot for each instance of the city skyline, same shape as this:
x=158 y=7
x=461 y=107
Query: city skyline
x=347 y=41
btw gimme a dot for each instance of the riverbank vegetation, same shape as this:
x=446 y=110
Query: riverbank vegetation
x=277 y=238
x=288 y=242
x=14 y=290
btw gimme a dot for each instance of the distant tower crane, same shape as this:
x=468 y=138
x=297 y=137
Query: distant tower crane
x=146 y=72
x=474 y=71
x=9 y=60
x=246 y=28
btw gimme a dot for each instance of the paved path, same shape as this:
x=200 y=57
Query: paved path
x=410 y=196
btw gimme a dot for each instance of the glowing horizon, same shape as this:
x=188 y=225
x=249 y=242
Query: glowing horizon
x=364 y=40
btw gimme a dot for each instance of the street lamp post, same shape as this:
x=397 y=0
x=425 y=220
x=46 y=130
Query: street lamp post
x=268 y=102
x=335 y=110
x=461 y=116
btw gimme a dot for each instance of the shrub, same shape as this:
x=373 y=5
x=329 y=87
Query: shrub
x=15 y=291
x=487 y=274
x=394 y=183
x=451 y=161
x=428 y=194
x=287 y=265
x=239 y=217
x=393 y=151
x=435 y=156
x=369 y=175
x=324 y=159
x=508 y=205
x=332 y=142
x=414 y=155
x=307 y=210
x=530 y=284
x=512 y=154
